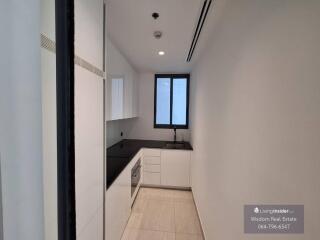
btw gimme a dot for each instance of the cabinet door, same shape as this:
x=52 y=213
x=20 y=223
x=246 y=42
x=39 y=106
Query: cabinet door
x=115 y=96
x=128 y=94
x=118 y=205
x=88 y=36
x=122 y=98
x=135 y=97
x=175 y=168
x=89 y=145
x=151 y=178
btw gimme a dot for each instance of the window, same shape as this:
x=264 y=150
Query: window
x=171 y=101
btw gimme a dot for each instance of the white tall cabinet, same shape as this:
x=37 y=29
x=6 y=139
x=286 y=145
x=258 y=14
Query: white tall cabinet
x=89 y=154
x=89 y=120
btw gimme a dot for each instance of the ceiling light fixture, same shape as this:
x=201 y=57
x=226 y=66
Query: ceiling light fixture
x=161 y=53
x=157 y=34
x=155 y=15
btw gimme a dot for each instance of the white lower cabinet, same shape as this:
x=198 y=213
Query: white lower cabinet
x=175 y=168
x=151 y=166
x=151 y=178
x=118 y=205
x=151 y=152
x=152 y=160
x=170 y=168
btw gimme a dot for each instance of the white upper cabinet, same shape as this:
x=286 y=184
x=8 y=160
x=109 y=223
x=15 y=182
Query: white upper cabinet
x=128 y=95
x=122 y=95
x=135 y=98
x=115 y=88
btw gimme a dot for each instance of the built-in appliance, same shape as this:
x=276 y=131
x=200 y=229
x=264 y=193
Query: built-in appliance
x=135 y=176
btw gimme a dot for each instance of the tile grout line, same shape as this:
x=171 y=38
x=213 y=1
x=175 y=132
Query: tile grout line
x=174 y=218
x=50 y=45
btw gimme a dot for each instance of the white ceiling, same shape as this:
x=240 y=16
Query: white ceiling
x=131 y=26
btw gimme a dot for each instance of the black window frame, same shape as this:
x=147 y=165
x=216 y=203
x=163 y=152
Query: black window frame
x=171 y=76
x=64 y=28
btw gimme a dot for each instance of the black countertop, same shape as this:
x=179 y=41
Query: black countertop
x=120 y=154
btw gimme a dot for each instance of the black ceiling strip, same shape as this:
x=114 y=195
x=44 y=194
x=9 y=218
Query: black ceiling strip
x=198 y=25
x=202 y=23
x=205 y=16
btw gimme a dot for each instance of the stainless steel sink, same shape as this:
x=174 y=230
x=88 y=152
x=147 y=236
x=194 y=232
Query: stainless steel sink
x=174 y=145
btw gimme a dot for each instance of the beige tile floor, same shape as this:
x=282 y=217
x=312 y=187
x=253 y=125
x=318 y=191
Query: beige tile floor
x=163 y=214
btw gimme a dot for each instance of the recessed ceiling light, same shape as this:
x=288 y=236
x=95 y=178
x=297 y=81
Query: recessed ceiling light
x=161 y=53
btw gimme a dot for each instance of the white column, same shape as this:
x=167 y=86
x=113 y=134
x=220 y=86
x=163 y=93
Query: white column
x=20 y=120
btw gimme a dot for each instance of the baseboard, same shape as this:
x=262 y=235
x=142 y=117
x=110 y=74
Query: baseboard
x=201 y=223
x=166 y=187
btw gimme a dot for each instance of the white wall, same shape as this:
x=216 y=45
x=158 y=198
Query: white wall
x=142 y=127
x=113 y=132
x=256 y=115
x=114 y=129
x=21 y=120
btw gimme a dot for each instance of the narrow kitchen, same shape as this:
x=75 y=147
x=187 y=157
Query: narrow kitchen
x=160 y=120
x=148 y=192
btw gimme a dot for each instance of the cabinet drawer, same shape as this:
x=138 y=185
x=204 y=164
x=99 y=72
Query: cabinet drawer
x=151 y=152
x=151 y=178
x=151 y=160
x=155 y=168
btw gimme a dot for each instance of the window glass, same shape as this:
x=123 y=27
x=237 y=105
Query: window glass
x=179 y=101
x=163 y=101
